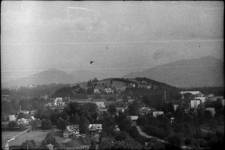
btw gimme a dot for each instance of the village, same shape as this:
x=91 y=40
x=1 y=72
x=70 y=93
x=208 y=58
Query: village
x=85 y=123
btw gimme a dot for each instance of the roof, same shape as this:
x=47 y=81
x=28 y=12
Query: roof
x=95 y=126
x=133 y=118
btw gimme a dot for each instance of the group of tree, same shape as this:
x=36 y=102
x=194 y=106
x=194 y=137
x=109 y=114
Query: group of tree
x=73 y=113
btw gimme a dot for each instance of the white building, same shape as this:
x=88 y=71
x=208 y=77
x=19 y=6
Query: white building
x=95 y=127
x=133 y=118
x=191 y=92
x=108 y=90
x=23 y=121
x=59 y=101
x=175 y=106
x=222 y=102
x=211 y=110
x=100 y=105
x=12 y=118
x=201 y=98
x=144 y=110
x=195 y=103
x=157 y=113
x=96 y=91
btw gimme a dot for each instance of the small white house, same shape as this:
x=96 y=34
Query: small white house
x=175 y=106
x=96 y=91
x=133 y=118
x=195 y=103
x=59 y=101
x=12 y=118
x=191 y=92
x=144 y=110
x=223 y=102
x=130 y=100
x=108 y=90
x=202 y=98
x=95 y=127
x=100 y=105
x=71 y=130
x=211 y=110
x=157 y=113
x=23 y=121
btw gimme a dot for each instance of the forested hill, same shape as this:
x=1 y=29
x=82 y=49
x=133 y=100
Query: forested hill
x=131 y=86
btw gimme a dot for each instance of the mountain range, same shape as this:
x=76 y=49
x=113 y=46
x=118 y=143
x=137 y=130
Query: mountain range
x=200 y=72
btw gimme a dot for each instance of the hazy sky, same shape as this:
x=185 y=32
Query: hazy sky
x=120 y=37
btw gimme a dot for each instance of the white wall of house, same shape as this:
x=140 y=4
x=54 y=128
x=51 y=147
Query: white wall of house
x=195 y=103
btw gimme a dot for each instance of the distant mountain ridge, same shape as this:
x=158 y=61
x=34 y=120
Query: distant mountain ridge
x=198 y=72
x=205 y=71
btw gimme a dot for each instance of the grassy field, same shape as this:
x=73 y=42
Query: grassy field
x=37 y=135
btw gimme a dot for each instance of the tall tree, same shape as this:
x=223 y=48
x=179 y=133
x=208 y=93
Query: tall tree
x=83 y=124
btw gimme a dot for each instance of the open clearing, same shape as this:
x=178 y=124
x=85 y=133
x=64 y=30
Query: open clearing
x=37 y=135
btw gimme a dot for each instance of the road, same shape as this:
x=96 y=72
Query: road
x=142 y=133
x=148 y=136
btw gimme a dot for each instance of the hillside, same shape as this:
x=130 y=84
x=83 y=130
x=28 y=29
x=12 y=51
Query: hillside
x=121 y=86
x=201 y=72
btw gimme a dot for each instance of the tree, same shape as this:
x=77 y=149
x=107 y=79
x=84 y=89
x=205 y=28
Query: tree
x=108 y=124
x=83 y=124
x=120 y=136
x=12 y=124
x=123 y=122
x=134 y=108
x=112 y=109
x=175 y=140
x=50 y=139
x=34 y=124
x=75 y=119
x=28 y=144
x=61 y=124
x=46 y=124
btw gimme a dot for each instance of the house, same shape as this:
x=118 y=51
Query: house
x=172 y=120
x=116 y=128
x=222 y=102
x=120 y=110
x=144 y=110
x=133 y=118
x=102 y=110
x=23 y=121
x=24 y=111
x=157 y=113
x=96 y=91
x=211 y=110
x=71 y=130
x=100 y=104
x=196 y=93
x=130 y=100
x=12 y=118
x=175 y=106
x=108 y=90
x=201 y=98
x=95 y=127
x=195 y=103
x=59 y=101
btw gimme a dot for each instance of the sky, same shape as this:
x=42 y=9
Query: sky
x=120 y=37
